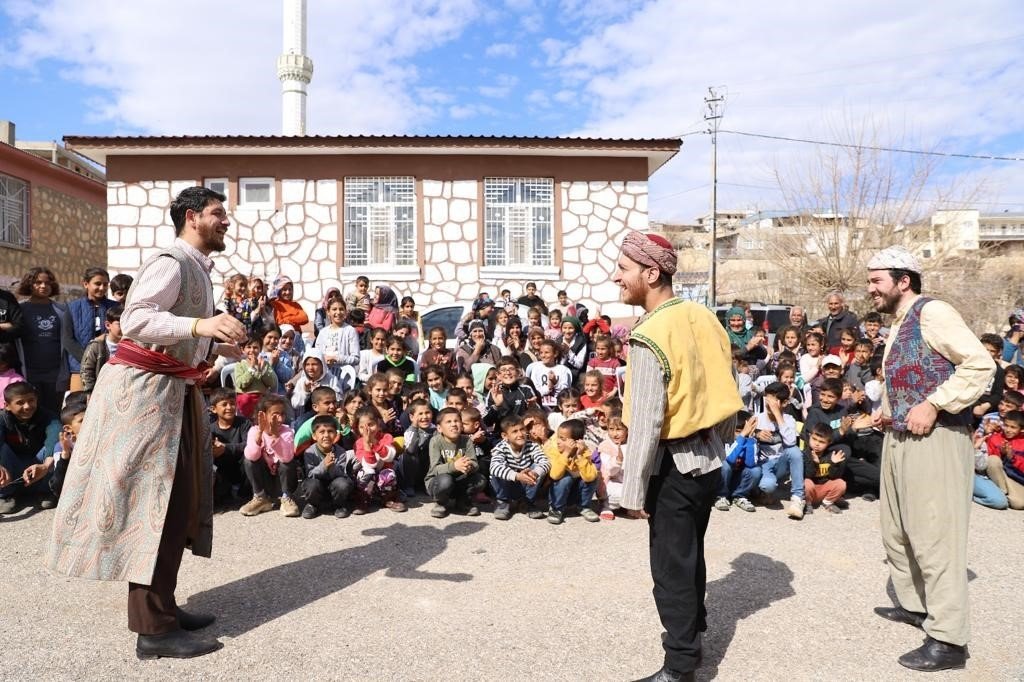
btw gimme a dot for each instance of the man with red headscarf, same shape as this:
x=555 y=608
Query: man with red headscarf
x=680 y=405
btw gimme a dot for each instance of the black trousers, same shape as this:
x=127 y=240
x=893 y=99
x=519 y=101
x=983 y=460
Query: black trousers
x=680 y=507
x=270 y=485
x=317 y=492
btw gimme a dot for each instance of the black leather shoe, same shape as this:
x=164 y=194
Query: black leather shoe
x=935 y=655
x=174 y=644
x=194 y=621
x=898 y=614
x=669 y=675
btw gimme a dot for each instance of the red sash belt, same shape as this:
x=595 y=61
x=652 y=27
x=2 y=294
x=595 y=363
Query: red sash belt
x=132 y=354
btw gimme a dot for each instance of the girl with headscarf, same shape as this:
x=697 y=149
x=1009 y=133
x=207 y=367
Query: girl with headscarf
x=476 y=348
x=513 y=342
x=286 y=310
x=574 y=342
x=385 y=309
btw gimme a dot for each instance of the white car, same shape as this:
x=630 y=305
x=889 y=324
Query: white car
x=448 y=315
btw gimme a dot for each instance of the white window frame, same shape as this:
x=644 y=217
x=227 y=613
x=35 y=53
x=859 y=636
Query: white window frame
x=376 y=209
x=15 y=205
x=207 y=182
x=516 y=235
x=243 y=185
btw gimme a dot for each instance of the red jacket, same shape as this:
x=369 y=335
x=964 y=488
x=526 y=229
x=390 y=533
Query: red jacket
x=995 y=449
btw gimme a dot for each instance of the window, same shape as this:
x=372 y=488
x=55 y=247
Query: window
x=256 y=192
x=218 y=185
x=762 y=276
x=380 y=221
x=518 y=221
x=14 y=205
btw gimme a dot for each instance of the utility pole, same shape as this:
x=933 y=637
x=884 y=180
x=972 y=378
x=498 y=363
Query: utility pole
x=715 y=104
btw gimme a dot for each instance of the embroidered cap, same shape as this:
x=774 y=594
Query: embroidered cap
x=895 y=258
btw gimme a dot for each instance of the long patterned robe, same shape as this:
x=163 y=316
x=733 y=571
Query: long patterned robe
x=112 y=509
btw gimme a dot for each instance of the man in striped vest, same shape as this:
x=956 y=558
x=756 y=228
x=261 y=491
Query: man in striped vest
x=935 y=369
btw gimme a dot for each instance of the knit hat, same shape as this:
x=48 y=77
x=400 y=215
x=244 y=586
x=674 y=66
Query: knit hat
x=895 y=258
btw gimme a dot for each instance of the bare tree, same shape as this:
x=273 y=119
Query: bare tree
x=850 y=201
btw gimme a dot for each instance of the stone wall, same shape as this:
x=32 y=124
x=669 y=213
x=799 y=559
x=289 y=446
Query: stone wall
x=300 y=240
x=66 y=236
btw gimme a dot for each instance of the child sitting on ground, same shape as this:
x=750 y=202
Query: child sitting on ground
x=454 y=474
x=472 y=427
x=778 y=453
x=270 y=459
x=326 y=465
x=510 y=397
x=740 y=471
x=28 y=436
x=374 y=470
x=414 y=461
x=1006 y=458
x=823 y=467
x=253 y=377
x=549 y=377
x=228 y=434
x=323 y=401
x=71 y=423
x=568 y=405
x=518 y=468
x=572 y=471
x=381 y=400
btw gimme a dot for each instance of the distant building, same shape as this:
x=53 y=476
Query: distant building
x=52 y=211
x=441 y=218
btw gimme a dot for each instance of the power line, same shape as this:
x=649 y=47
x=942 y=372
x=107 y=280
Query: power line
x=894 y=150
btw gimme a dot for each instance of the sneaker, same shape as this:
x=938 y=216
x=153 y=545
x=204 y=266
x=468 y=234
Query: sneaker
x=473 y=510
x=48 y=502
x=342 y=513
x=257 y=505
x=796 y=508
x=744 y=504
x=310 y=512
x=288 y=508
x=7 y=505
x=395 y=506
x=869 y=497
x=590 y=515
x=831 y=508
x=842 y=504
x=360 y=510
x=722 y=504
x=607 y=514
x=535 y=513
x=503 y=511
x=439 y=511
x=555 y=517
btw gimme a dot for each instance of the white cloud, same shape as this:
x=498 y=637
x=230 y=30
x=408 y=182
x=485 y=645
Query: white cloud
x=792 y=69
x=500 y=87
x=501 y=50
x=180 y=68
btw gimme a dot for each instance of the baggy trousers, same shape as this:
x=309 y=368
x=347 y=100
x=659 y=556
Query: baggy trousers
x=679 y=506
x=927 y=484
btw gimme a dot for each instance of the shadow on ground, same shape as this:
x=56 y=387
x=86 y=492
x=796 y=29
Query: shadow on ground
x=753 y=584
x=249 y=602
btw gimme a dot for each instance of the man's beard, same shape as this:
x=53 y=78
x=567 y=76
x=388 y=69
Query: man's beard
x=889 y=303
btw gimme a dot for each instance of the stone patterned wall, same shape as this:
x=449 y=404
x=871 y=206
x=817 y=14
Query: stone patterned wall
x=300 y=240
x=67 y=236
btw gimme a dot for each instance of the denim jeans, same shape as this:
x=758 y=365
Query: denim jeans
x=790 y=461
x=562 y=489
x=988 y=494
x=738 y=483
x=16 y=466
x=507 y=491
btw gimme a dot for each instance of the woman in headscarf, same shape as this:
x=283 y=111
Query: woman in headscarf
x=476 y=348
x=286 y=310
x=384 y=313
x=743 y=338
x=320 y=319
x=574 y=341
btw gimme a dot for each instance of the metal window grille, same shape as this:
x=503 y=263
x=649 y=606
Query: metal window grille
x=518 y=221
x=380 y=221
x=14 y=205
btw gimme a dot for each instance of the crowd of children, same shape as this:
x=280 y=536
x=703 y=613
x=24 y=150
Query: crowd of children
x=523 y=414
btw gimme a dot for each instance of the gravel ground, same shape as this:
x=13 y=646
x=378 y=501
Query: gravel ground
x=407 y=597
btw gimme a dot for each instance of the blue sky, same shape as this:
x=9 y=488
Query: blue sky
x=943 y=75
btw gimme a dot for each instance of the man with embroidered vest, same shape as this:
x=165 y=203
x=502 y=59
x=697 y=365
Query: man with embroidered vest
x=680 y=404
x=139 y=490
x=935 y=368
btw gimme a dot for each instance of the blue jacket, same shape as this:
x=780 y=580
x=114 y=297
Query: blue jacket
x=79 y=328
x=744 y=450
